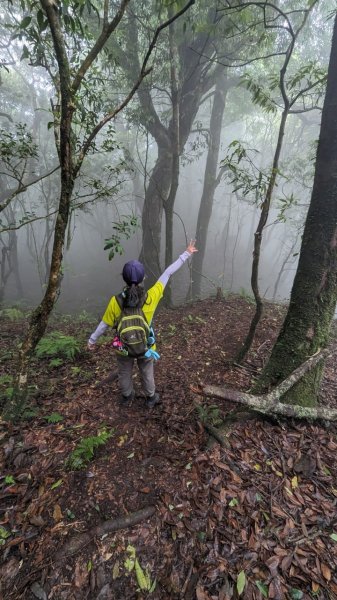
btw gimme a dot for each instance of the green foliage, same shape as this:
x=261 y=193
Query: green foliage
x=125 y=228
x=143 y=576
x=85 y=317
x=13 y=314
x=246 y=296
x=262 y=588
x=9 y=480
x=307 y=75
x=260 y=95
x=209 y=414
x=58 y=344
x=242 y=173
x=16 y=145
x=241 y=582
x=54 y=418
x=4 y=379
x=6 y=388
x=4 y=534
x=85 y=450
x=56 y=362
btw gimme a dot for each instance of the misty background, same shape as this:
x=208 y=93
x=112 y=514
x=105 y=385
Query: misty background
x=116 y=176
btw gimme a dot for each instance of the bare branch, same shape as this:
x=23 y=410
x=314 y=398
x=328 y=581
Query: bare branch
x=108 y=29
x=144 y=71
x=22 y=188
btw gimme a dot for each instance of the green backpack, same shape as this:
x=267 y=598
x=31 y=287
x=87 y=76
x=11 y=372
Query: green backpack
x=132 y=330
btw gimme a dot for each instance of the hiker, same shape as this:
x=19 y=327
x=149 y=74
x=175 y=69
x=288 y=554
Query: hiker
x=134 y=338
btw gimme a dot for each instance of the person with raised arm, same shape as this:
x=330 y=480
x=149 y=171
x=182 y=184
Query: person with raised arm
x=131 y=314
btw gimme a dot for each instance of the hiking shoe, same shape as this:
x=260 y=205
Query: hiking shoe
x=126 y=399
x=151 y=401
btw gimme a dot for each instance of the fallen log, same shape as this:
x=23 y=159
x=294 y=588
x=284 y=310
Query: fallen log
x=80 y=541
x=269 y=404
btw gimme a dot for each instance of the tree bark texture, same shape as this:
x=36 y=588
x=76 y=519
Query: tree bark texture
x=270 y=404
x=210 y=180
x=156 y=192
x=313 y=298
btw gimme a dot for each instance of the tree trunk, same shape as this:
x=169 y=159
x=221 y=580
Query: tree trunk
x=174 y=133
x=156 y=193
x=314 y=293
x=39 y=318
x=258 y=241
x=210 y=181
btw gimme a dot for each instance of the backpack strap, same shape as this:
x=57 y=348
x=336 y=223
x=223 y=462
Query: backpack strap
x=120 y=300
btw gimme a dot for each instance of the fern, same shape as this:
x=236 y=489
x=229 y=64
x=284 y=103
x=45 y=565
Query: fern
x=209 y=414
x=85 y=450
x=58 y=344
x=13 y=314
x=54 y=418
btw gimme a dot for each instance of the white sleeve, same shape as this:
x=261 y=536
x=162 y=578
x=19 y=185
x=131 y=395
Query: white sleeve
x=174 y=267
x=102 y=327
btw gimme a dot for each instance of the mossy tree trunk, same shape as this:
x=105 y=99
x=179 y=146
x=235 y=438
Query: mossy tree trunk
x=314 y=294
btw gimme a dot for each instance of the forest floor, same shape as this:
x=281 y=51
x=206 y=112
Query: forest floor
x=257 y=519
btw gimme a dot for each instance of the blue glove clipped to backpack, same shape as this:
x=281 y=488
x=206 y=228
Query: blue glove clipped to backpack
x=152 y=354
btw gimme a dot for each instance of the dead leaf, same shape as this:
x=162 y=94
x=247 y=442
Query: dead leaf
x=81 y=575
x=37 y=521
x=115 y=570
x=272 y=564
x=57 y=513
x=326 y=572
x=201 y=593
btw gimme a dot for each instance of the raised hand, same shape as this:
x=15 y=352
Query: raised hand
x=191 y=247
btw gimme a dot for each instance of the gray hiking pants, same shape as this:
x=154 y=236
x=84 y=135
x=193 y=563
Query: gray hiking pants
x=125 y=367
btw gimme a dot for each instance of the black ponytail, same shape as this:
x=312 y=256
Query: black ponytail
x=134 y=296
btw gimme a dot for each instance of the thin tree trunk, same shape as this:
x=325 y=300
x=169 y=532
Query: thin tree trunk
x=288 y=104
x=210 y=181
x=314 y=294
x=174 y=132
x=258 y=240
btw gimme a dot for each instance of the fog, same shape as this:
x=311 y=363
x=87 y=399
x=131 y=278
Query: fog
x=88 y=278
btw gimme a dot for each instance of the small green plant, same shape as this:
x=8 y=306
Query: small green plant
x=209 y=414
x=54 y=418
x=172 y=329
x=85 y=317
x=30 y=412
x=143 y=576
x=57 y=344
x=85 y=450
x=246 y=296
x=56 y=362
x=13 y=314
x=9 y=480
x=75 y=371
x=4 y=534
x=5 y=379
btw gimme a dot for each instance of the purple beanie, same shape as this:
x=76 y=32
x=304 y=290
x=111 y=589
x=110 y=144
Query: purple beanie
x=133 y=272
